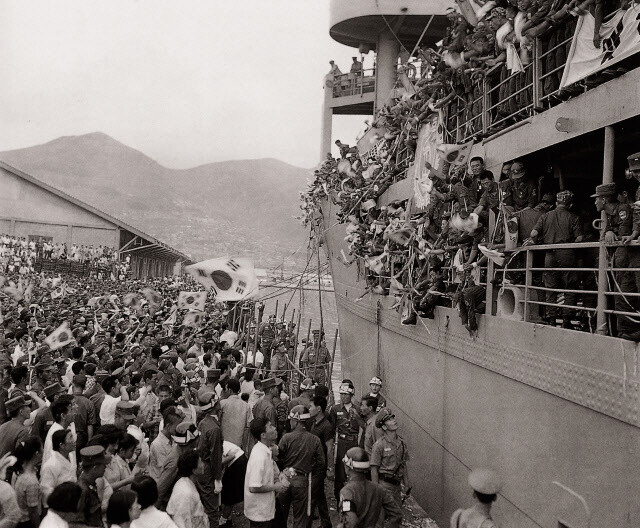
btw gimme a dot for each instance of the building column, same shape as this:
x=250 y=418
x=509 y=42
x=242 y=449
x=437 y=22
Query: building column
x=327 y=121
x=13 y=227
x=607 y=177
x=387 y=51
x=69 y=238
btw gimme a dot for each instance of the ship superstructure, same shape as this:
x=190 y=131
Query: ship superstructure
x=554 y=410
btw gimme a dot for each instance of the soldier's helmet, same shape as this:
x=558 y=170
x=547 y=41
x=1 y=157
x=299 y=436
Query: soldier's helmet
x=564 y=197
x=299 y=412
x=357 y=459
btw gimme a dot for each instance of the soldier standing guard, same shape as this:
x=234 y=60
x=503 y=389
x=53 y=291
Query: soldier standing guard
x=314 y=364
x=375 y=385
x=389 y=457
x=362 y=502
x=300 y=453
x=618 y=224
x=486 y=485
x=346 y=418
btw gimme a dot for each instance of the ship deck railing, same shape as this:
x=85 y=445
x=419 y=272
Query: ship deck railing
x=602 y=296
x=497 y=111
x=359 y=83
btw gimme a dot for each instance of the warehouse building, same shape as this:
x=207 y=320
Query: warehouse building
x=33 y=209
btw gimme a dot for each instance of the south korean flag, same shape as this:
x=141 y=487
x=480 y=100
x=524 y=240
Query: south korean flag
x=60 y=337
x=193 y=319
x=192 y=300
x=153 y=298
x=229 y=279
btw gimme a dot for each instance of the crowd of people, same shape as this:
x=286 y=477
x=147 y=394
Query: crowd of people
x=488 y=49
x=20 y=255
x=117 y=408
x=437 y=254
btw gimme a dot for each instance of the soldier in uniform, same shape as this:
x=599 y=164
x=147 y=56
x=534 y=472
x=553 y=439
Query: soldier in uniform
x=300 y=453
x=617 y=225
x=314 y=365
x=486 y=485
x=209 y=483
x=389 y=456
x=375 y=385
x=89 y=511
x=559 y=226
x=361 y=503
x=266 y=334
x=347 y=420
x=519 y=191
x=306 y=394
x=633 y=253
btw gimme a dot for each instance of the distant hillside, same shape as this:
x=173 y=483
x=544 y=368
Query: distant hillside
x=235 y=207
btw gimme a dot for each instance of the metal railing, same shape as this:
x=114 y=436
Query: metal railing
x=582 y=297
x=356 y=83
x=507 y=99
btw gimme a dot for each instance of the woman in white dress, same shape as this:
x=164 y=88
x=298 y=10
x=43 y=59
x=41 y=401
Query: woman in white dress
x=185 y=506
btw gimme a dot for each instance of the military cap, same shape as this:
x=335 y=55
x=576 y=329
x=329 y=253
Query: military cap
x=44 y=364
x=13 y=404
x=213 y=374
x=207 y=400
x=299 y=412
x=169 y=355
x=79 y=379
x=94 y=455
x=496 y=11
x=101 y=375
x=383 y=416
x=606 y=189
x=375 y=381
x=485 y=481
x=564 y=197
x=271 y=382
x=185 y=433
x=192 y=377
x=634 y=161
x=51 y=390
x=307 y=384
x=125 y=410
x=118 y=372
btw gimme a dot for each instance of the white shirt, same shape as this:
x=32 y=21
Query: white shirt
x=53 y=520
x=259 y=507
x=229 y=448
x=47 y=451
x=185 y=505
x=56 y=470
x=108 y=409
x=151 y=517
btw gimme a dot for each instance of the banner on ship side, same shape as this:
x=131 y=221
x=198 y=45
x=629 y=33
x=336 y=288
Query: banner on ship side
x=620 y=39
x=368 y=144
x=429 y=137
x=230 y=279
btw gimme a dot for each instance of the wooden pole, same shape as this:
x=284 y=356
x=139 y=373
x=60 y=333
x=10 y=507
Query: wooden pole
x=276 y=312
x=330 y=367
x=293 y=315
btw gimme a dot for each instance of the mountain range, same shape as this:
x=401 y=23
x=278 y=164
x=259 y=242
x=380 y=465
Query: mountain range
x=243 y=208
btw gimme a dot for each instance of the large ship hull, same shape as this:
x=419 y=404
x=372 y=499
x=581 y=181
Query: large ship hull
x=554 y=411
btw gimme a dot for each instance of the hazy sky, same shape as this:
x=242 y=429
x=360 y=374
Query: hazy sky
x=186 y=82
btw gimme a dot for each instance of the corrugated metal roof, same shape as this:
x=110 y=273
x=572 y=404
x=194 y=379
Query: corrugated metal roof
x=94 y=210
